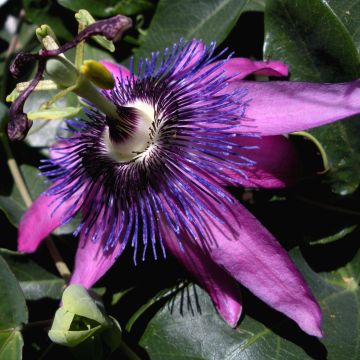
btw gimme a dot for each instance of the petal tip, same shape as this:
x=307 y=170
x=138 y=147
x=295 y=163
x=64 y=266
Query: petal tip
x=231 y=318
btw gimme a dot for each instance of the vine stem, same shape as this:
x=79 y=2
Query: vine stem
x=130 y=354
x=60 y=264
x=34 y=324
x=329 y=207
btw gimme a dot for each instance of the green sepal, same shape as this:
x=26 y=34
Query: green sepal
x=54 y=113
x=78 y=319
x=85 y=18
x=61 y=331
x=78 y=301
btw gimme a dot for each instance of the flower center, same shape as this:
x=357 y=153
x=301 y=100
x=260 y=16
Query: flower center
x=129 y=135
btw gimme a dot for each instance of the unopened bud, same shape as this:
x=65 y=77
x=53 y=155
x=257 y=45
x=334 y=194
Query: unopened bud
x=98 y=74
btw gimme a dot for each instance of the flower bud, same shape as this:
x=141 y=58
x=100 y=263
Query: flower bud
x=80 y=318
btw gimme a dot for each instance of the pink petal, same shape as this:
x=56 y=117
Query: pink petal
x=39 y=221
x=118 y=71
x=91 y=262
x=246 y=67
x=249 y=253
x=283 y=107
x=223 y=290
x=277 y=163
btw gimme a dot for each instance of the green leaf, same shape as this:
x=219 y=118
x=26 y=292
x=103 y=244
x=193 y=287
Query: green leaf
x=13 y=314
x=13 y=205
x=11 y=344
x=40 y=12
x=188 y=327
x=13 y=311
x=130 y=7
x=348 y=12
x=3 y=117
x=319 y=51
x=315 y=50
x=35 y=282
x=255 y=5
x=188 y=19
x=110 y=8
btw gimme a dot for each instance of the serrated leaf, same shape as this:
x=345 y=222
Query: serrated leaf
x=188 y=327
x=320 y=51
x=175 y=19
x=35 y=282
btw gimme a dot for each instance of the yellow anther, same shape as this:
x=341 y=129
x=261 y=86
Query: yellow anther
x=98 y=74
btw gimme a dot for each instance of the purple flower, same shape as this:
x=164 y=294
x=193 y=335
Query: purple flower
x=154 y=177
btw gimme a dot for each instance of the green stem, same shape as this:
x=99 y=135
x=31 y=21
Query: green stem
x=130 y=354
x=25 y=195
x=46 y=352
x=41 y=323
x=328 y=206
x=79 y=50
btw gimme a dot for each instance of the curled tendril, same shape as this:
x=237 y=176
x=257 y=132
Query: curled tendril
x=19 y=124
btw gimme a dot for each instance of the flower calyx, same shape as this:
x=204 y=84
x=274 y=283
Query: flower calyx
x=82 y=78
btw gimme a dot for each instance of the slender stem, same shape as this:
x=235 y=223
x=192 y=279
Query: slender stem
x=57 y=96
x=60 y=265
x=15 y=172
x=130 y=354
x=328 y=206
x=41 y=323
x=46 y=352
x=79 y=51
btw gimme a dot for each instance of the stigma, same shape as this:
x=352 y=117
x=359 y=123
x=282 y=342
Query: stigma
x=128 y=136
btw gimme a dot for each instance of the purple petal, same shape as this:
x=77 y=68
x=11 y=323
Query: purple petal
x=277 y=163
x=283 y=107
x=223 y=290
x=39 y=221
x=248 y=252
x=245 y=67
x=91 y=261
